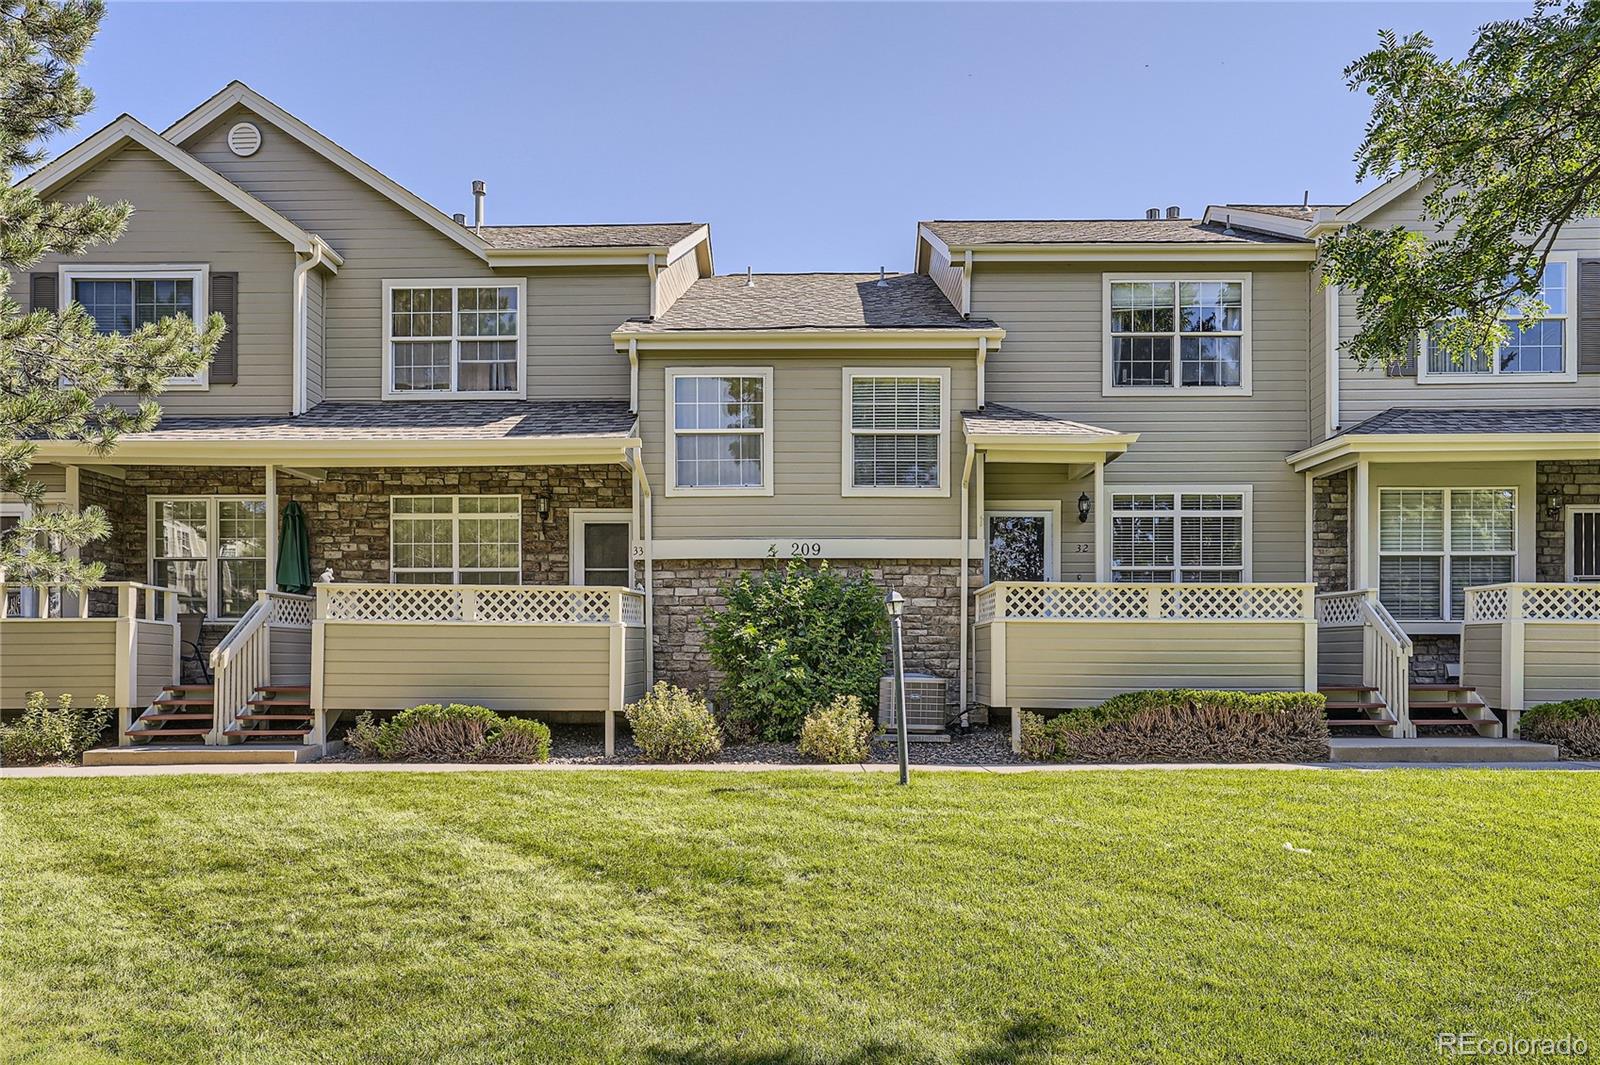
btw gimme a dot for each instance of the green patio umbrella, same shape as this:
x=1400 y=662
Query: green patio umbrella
x=294 y=551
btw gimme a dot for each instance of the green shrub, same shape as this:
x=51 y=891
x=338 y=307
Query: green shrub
x=673 y=725
x=840 y=732
x=1574 y=726
x=793 y=638
x=1184 y=725
x=362 y=735
x=43 y=735
x=460 y=732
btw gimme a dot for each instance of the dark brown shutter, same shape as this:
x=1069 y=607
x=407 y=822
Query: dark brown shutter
x=1407 y=366
x=1589 y=315
x=42 y=292
x=225 y=301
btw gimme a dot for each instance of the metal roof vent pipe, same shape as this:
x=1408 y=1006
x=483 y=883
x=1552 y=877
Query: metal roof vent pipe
x=459 y=219
x=1174 y=212
x=883 y=280
x=479 y=192
x=1152 y=213
x=749 y=277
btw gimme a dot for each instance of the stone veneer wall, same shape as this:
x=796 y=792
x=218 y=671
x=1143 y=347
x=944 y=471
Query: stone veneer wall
x=686 y=591
x=1575 y=483
x=1430 y=655
x=1330 y=532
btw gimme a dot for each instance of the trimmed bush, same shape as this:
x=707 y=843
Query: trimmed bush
x=1574 y=726
x=46 y=735
x=673 y=725
x=1184 y=725
x=793 y=638
x=362 y=735
x=840 y=732
x=459 y=732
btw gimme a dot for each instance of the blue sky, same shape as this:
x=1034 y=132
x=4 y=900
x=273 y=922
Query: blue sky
x=811 y=136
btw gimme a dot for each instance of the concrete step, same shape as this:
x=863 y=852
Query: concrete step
x=1439 y=749
x=196 y=754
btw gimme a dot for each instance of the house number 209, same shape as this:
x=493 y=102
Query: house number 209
x=805 y=549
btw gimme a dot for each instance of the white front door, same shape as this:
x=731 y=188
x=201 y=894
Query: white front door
x=1020 y=544
x=602 y=547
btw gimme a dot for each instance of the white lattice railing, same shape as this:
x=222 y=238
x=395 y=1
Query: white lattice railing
x=483 y=604
x=242 y=662
x=1385 y=647
x=61 y=602
x=1534 y=602
x=1040 y=601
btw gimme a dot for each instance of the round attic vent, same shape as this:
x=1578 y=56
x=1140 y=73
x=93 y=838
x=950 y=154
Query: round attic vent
x=244 y=139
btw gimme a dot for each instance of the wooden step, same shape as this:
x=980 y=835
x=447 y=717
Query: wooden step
x=165 y=733
x=1442 y=688
x=1424 y=721
x=279 y=702
x=1357 y=706
x=184 y=702
x=188 y=687
x=148 y=716
x=1375 y=722
x=274 y=717
x=264 y=732
x=303 y=689
x=1444 y=704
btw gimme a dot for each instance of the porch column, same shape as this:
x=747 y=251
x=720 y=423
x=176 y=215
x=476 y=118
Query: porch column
x=1102 y=548
x=272 y=528
x=1360 y=527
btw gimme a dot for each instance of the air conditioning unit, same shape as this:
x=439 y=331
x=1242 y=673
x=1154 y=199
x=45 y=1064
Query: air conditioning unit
x=927 y=703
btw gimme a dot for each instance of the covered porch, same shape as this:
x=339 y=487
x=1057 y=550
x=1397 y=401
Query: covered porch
x=1526 y=644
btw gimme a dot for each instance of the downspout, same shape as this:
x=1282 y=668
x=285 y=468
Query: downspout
x=983 y=359
x=1330 y=344
x=655 y=299
x=633 y=375
x=301 y=326
x=643 y=502
x=965 y=586
x=966 y=287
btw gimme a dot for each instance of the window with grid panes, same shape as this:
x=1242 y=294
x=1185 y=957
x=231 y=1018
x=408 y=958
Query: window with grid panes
x=1183 y=537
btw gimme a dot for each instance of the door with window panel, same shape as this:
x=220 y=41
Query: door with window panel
x=1019 y=546
x=1583 y=543
x=212 y=550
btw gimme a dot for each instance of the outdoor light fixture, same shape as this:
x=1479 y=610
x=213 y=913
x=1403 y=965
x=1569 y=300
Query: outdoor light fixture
x=1083 y=507
x=544 y=508
x=1552 y=506
x=896 y=605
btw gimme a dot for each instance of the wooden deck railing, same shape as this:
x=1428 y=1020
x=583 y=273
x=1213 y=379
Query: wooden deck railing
x=1385 y=648
x=1525 y=644
x=242 y=662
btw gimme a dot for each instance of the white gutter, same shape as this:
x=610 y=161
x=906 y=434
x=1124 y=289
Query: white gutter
x=1330 y=346
x=983 y=359
x=961 y=582
x=633 y=376
x=302 y=327
x=643 y=501
x=655 y=295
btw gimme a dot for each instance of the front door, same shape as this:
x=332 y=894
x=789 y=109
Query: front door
x=602 y=543
x=1583 y=543
x=1021 y=545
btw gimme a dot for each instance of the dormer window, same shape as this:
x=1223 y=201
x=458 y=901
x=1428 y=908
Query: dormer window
x=454 y=339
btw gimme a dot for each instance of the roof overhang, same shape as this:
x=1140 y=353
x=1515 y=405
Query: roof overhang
x=698 y=242
x=1341 y=452
x=1379 y=198
x=1052 y=447
x=131 y=450
x=1132 y=252
x=911 y=341
x=127 y=130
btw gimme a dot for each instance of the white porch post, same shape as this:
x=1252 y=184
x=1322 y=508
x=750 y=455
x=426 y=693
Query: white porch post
x=1361 y=527
x=272 y=528
x=1102 y=549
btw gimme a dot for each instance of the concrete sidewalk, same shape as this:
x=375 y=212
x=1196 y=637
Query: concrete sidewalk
x=748 y=767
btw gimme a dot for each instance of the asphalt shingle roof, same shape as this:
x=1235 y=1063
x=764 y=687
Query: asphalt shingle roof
x=538 y=238
x=1097 y=231
x=417 y=420
x=995 y=419
x=1489 y=420
x=1298 y=211
x=809 y=301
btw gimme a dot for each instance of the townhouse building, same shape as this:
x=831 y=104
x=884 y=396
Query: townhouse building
x=1094 y=455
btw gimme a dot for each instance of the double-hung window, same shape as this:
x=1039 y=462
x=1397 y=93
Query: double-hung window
x=1184 y=537
x=1433 y=543
x=122 y=299
x=1545 y=351
x=211 y=549
x=445 y=339
x=720 y=431
x=896 y=425
x=1166 y=334
x=455 y=539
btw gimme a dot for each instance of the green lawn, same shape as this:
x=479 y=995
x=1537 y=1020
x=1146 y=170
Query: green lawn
x=797 y=917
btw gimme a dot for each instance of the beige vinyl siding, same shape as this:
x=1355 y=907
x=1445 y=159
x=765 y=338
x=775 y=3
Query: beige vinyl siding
x=1055 y=665
x=569 y=319
x=1317 y=360
x=1364 y=393
x=176 y=220
x=807 y=421
x=1005 y=483
x=290 y=655
x=982 y=664
x=1339 y=653
x=674 y=280
x=153 y=644
x=637 y=670
x=315 y=369
x=1481 y=661
x=57 y=655
x=54 y=479
x=1562 y=661
x=1051 y=362
x=949 y=277
x=504 y=667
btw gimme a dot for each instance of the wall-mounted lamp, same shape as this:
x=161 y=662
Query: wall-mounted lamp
x=1552 y=506
x=1083 y=507
x=544 y=508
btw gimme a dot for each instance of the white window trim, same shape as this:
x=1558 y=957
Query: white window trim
x=27 y=596
x=577 y=519
x=768 y=418
x=199 y=273
x=1245 y=387
x=1445 y=551
x=1569 y=353
x=518 y=283
x=455 y=530
x=847 y=486
x=1570 y=522
x=213 y=506
x=1110 y=491
x=1048 y=509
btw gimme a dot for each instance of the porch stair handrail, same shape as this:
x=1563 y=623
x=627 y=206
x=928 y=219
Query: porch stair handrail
x=1385 y=648
x=242 y=662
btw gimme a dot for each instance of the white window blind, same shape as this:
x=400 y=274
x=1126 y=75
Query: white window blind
x=455 y=539
x=1431 y=540
x=1185 y=537
x=896 y=431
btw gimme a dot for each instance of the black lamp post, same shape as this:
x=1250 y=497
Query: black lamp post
x=897 y=607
